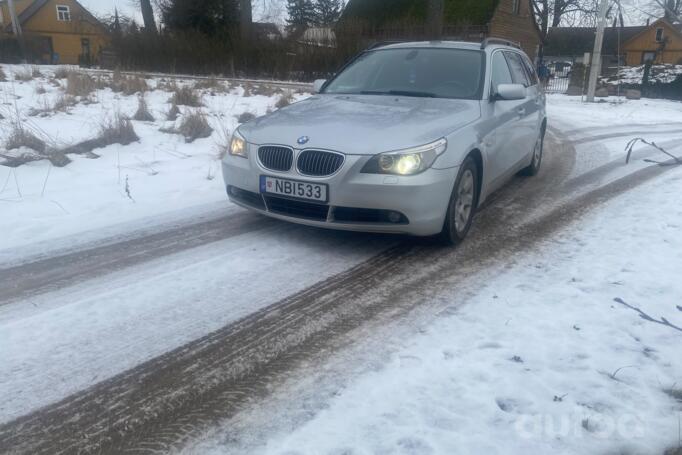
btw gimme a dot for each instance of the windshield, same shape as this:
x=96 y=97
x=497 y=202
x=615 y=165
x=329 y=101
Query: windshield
x=437 y=73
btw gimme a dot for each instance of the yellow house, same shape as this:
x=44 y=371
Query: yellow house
x=660 y=42
x=56 y=31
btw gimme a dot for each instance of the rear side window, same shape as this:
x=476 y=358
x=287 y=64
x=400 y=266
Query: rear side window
x=530 y=69
x=500 y=71
x=518 y=69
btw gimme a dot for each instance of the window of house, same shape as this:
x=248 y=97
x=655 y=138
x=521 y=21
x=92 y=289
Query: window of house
x=659 y=35
x=516 y=6
x=63 y=13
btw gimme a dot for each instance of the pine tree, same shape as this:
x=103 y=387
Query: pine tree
x=327 y=12
x=301 y=15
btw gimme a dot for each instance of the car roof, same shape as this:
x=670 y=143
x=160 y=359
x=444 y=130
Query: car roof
x=441 y=44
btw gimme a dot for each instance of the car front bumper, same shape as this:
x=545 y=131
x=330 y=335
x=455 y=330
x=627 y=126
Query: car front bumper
x=357 y=201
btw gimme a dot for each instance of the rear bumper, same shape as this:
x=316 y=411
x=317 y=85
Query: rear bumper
x=414 y=205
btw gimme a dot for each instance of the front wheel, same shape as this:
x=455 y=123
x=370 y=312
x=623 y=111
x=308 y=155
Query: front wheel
x=463 y=203
x=534 y=166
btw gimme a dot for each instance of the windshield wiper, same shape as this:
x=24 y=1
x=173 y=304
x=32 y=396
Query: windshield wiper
x=400 y=93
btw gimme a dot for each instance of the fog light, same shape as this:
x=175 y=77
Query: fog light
x=394 y=217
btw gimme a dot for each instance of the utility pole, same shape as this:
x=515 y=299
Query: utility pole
x=595 y=68
x=16 y=27
x=245 y=19
x=434 y=19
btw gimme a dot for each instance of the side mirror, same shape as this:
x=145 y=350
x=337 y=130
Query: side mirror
x=511 y=92
x=317 y=85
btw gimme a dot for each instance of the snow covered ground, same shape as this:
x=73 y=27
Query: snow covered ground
x=634 y=74
x=529 y=365
x=162 y=172
x=543 y=358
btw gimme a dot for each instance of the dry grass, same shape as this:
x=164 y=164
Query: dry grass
x=62 y=72
x=143 y=114
x=173 y=113
x=284 y=100
x=63 y=103
x=185 y=96
x=245 y=117
x=211 y=84
x=118 y=130
x=195 y=126
x=265 y=90
x=247 y=90
x=22 y=137
x=23 y=75
x=40 y=90
x=3 y=76
x=128 y=85
x=80 y=84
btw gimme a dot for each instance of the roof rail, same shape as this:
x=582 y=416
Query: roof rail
x=505 y=42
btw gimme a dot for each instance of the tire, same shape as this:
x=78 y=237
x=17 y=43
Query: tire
x=536 y=161
x=462 y=205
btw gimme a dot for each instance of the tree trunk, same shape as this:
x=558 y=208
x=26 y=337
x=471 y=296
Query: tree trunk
x=434 y=19
x=148 y=16
x=245 y=19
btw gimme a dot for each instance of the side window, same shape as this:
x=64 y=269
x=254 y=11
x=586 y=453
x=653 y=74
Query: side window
x=500 y=71
x=530 y=70
x=518 y=68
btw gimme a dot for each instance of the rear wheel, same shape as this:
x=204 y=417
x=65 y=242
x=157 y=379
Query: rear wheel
x=463 y=203
x=536 y=161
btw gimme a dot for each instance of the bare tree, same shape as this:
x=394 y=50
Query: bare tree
x=148 y=15
x=553 y=13
x=245 y=18
x=434 y=21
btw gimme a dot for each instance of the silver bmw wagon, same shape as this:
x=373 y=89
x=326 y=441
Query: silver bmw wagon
x=407 y=138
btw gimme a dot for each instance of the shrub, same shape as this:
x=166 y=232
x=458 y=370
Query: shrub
x=185 y=96
x=194 y=126
x=35 y=72
x=143 y=113
x=3 y=76
x=245 y=117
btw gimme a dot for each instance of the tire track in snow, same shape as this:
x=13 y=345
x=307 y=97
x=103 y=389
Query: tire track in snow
x=159 y=404
x=49 y=274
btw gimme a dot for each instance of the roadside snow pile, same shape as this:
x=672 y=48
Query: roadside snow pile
x=573 y=349
x=71 y=160
x=633 y=75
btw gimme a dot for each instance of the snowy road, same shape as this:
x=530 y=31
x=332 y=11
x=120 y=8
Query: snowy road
x=223 y=330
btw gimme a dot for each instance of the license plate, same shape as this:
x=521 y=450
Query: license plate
x=293 y=188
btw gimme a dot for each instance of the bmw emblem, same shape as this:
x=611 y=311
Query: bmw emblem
x=303 y=140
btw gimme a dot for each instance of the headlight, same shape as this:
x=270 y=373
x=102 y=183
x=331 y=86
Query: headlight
x=238 y=146
x=406 y=162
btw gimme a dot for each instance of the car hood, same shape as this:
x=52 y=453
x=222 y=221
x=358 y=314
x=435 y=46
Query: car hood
x=362 y=124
